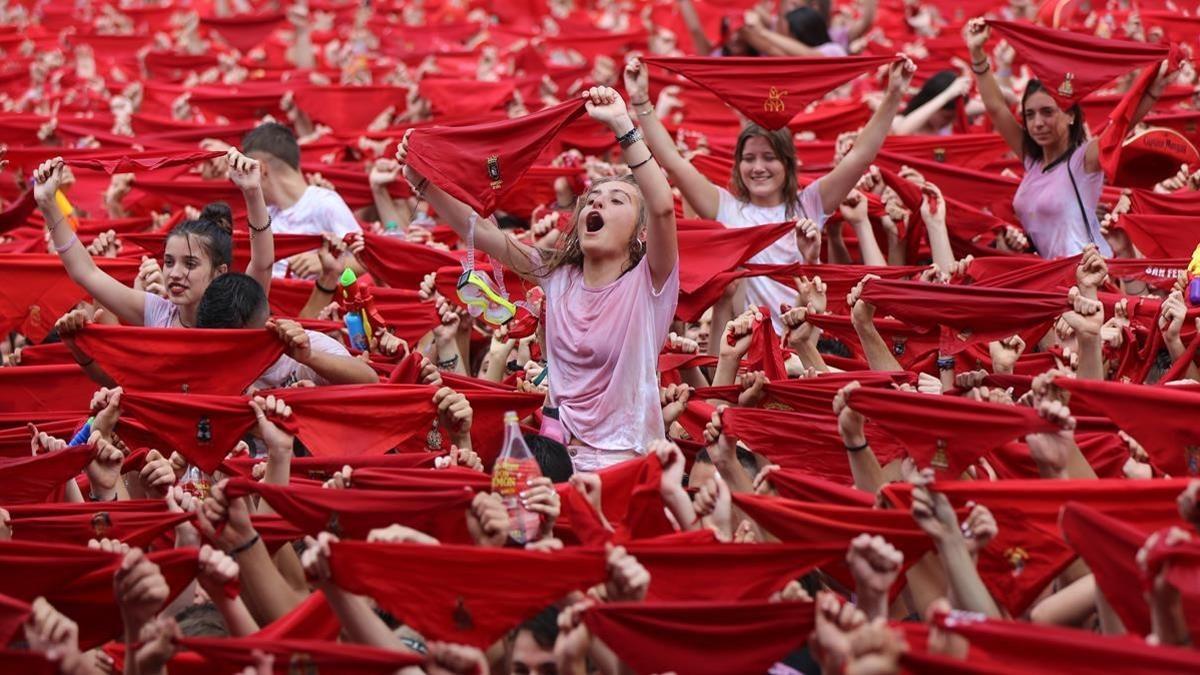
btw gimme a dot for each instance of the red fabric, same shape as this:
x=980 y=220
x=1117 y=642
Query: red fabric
x=461 y=160
x=181 y=359
x=441 y=513
x=27 y=480
x=702 y=572
x=1029 y=551
x=37 y=388
x=1086 y=61
x=244 y=31
x=13 y=613
x=696 y=638
x=793 y=484
x=423 y=585
x=1158 y=417
x=77 y=523
x=1044 y=648
x=1121 y=119
x=968 y=314
x=703 y=253
x=770 y=90
x=348 y=109
x=764 y=352
x=37 y=291
x=323 y=468
x=144 y=161
x=398 y=479
x=78 y=581
x=342 y=658
x=447 y=95
x=401 y=264
x=946 y=432
x=1159 y=236
x=1109 y=547
x=17 y=211
x=803 y=441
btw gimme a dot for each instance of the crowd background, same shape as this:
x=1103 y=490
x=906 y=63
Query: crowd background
x=846 y=336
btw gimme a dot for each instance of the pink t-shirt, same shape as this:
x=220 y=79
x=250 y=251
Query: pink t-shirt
x=602 y=347
x=1048 y=209
x=159 y=312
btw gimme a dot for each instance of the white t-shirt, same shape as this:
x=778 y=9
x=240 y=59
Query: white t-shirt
x=286 y=371
x=318 y=211
x=602 y=348
x=763 y=291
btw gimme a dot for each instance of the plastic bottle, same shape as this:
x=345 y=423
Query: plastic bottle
x=511 y=473
x=1193 y=287
x=84 y=433
x=356 y=325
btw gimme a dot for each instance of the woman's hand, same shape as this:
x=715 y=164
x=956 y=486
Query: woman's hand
x=976 y=34
x=607 y=107
x=900 y=75
x=47 y=179
x=637 y=80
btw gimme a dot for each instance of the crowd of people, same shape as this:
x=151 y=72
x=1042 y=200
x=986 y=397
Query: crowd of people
x=565 y=337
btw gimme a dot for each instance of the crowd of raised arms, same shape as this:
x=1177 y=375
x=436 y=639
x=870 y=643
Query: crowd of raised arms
x=559 y=337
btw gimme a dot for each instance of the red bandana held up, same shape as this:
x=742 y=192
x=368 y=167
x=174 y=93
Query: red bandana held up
x=700 y=572
x=425 y=584
x=968 y=314
x=1072 y=65
x=323 y=468
x=441 y=513
x=181 y=360
x=701 y=638
x=401 y=264
x=348 y=109
x=1160 y=418
x=765 y=353
x=704 y=253
x=479 y=164
x=37 y=291
x=798 y=485
x=77 y=523
x=1109 y=547
x=1112 y=139
x=244 y=31
x=143 y=161
x=770 y=90
x=231 y=654
x=945 y=432
x=29 y=480
x=13 y=613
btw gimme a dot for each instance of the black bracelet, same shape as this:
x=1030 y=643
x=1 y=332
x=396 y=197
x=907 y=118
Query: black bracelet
x=321 y=288
x=641 y=163
x=857 y=448
x=85 y=365
x=637 y=103
x=264 y=228
x=986 y=67
x=449 y=363
x=246 y=546
x=93 y=498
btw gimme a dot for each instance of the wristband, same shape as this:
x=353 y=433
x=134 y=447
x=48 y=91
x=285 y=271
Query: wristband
x=857 y=448
x=641 y=163
x=264 y=228
x=93 y=498
x=246 y=546
x=70 y=242
x=449 y=363
x=945 y=363
x=632 y=136
x=85 y=365
x=321 y=288
x=637 y=103
x=986 y=67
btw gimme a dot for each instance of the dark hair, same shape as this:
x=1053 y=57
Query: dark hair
x=232 y=300
x=551 y=456
x=808 y=26
x=543 y=627
x=824 y=8
x=1077 y=133
x=216 y=238
x=202 y=621
x=932 y=87
x=784 y=148
x=219 y=213
x=744 y=457
x=276 y=140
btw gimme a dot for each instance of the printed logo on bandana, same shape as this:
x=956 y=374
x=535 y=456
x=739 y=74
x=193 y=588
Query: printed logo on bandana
x=1016 y=556
x=204 y=431
x=940 y=459
x=1192 y=455
x=334 y=526
x=1067 y=88
x=899 y=345
x=493 y=169
x=939 y=154
x=301 y=663
x=774 y=102
x=462 y=617
x=101 y=523
x=776 y=405
x=433 y=439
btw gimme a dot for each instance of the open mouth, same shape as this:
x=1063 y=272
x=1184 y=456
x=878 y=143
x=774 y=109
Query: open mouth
x=594 y=222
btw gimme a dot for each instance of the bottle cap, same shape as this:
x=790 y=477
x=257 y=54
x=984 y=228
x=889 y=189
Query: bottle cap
x=349 y=277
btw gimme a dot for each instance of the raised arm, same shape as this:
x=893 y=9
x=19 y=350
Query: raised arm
x=913 y=122
x=1091 y=157
x=605 y=106
x=125 y=302
x=1003 y=120
x=696 y=188
x=692 y=20
x=489 y=238
x=866 y=18
x=837 y=183
x=246 y=173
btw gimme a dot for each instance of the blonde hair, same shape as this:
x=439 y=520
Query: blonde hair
x=569 y=252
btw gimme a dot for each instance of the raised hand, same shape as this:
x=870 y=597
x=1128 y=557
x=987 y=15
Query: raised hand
x=932 y=511
x=1051 y=450
x=875 y=565
x=900 y=75
x=141 y=590
x=245 y=173
x=628 y=580
x=384 y=172
x=1091 y=272
x=315 y=559
x=266 y=410
x=294 y=338
x=488 y=520
x=851 y=424
x=455 y=414
x=753 y=389
x=1005 y=353
x=605 y=106
x=48 y=178
x=979 y=528
x=637 y=80
x=738 y=333
x=673 y=398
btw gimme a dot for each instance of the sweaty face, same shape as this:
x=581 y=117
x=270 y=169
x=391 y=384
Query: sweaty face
x=528 y=657
x=762 y=171
x=1045 y=121
x=187 y=269
x=608 y=219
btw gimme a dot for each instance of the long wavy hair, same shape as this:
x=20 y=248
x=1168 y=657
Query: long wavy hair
x=570 y=252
